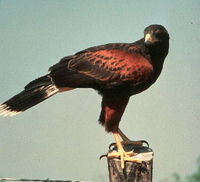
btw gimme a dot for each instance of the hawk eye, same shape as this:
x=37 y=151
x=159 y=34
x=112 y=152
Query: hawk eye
x=159 y=35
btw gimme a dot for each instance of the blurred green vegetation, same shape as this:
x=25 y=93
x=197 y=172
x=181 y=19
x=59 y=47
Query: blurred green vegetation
x=195 y=177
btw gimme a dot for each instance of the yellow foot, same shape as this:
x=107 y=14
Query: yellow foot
x=121 y=153
x=124 y=156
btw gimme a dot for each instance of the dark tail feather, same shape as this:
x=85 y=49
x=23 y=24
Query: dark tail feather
x=35 y=92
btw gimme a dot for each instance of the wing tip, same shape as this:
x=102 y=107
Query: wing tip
x=5 y=110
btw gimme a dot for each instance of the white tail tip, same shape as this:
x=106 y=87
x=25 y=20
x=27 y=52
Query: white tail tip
x=5 y=110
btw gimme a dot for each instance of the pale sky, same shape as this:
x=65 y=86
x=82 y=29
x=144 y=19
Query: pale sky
x=61 y=138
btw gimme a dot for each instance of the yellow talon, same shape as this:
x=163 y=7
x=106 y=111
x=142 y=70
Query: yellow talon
x=121 y=153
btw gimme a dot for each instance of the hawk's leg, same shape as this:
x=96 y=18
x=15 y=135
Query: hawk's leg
x=127 y=141
x=121 y=153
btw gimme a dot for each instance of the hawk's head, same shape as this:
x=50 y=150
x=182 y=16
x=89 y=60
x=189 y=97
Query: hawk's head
x=155 y=34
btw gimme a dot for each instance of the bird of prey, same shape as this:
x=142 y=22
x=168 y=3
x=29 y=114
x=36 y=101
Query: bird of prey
x=116 y=70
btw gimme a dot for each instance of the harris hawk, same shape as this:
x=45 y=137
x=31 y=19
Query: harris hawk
x=116 y=70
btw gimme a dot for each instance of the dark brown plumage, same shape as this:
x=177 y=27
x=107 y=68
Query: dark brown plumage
x=117 y=71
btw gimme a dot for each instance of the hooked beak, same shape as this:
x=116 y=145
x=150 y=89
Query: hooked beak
x=148 y=38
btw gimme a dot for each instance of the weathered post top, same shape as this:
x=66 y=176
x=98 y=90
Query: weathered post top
x=133 y=171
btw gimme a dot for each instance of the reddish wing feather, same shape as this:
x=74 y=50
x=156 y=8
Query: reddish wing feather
x=111 y=65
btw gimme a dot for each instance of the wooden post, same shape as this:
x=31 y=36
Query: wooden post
x=133 y=171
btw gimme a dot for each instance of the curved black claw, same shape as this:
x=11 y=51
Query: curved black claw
x=102 y=156
x=144 y=141
x=112 y=145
